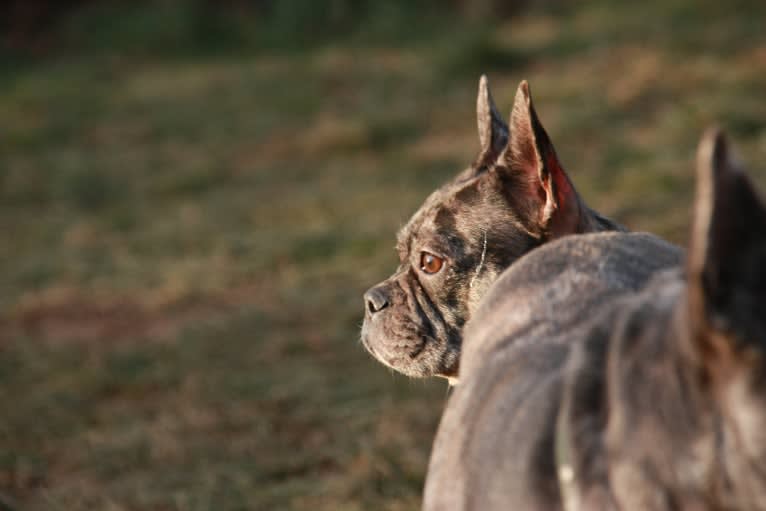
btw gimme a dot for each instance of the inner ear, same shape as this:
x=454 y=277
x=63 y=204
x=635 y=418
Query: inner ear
x=531 y=156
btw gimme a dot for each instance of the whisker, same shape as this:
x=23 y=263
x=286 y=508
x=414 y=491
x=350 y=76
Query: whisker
x=481 y=262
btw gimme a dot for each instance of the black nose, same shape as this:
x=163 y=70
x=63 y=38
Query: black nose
x=376 y=299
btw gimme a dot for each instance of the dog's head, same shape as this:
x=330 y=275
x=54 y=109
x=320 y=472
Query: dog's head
x=514 y=197
x=686 y=374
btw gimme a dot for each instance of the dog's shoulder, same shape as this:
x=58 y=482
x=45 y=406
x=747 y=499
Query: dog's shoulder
x=516 y=348
x=551 y=292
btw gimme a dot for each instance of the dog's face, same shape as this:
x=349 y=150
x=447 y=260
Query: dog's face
x=449 y=254
x=513 y=198
x=687 y=372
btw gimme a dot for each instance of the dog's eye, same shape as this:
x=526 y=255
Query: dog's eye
x=430 y=263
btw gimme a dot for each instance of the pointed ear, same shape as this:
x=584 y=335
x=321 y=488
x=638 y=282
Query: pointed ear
x=493 y=132
x=727 y=250
x=551 y=200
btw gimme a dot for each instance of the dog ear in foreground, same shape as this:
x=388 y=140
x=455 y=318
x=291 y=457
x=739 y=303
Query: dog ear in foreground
x=727 y=276
x=702 y=445
x=596 y=377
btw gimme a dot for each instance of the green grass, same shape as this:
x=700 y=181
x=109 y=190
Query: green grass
x=186 y=237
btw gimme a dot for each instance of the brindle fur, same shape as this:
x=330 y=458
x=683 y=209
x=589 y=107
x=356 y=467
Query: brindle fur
x=649 y=399
x=515 y=197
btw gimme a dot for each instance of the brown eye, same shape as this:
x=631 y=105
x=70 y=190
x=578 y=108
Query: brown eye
x=430 y=263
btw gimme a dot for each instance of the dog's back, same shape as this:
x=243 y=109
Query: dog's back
x=581 y=393
x=503 y=413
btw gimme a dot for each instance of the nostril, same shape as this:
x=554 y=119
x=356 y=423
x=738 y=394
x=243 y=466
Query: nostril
x=376 y=300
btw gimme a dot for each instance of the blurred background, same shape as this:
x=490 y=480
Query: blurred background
x=195 y=194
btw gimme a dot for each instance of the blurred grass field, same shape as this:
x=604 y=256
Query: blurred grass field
x=187 y=232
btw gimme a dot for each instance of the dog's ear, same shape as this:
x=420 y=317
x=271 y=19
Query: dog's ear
x=727 y=251
x=550 y=199
x=493 y=132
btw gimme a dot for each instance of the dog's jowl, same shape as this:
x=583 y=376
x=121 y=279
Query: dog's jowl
x=515 y=196
x=580 y=391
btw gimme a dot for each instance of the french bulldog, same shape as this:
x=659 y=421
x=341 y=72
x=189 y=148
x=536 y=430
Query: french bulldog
x=582 y=390
x=514 y=197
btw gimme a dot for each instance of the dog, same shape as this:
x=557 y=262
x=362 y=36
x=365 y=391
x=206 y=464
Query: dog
x=581 y=392
x=513 y=198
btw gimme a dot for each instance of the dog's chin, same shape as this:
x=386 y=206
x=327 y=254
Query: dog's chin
x=414 y=356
